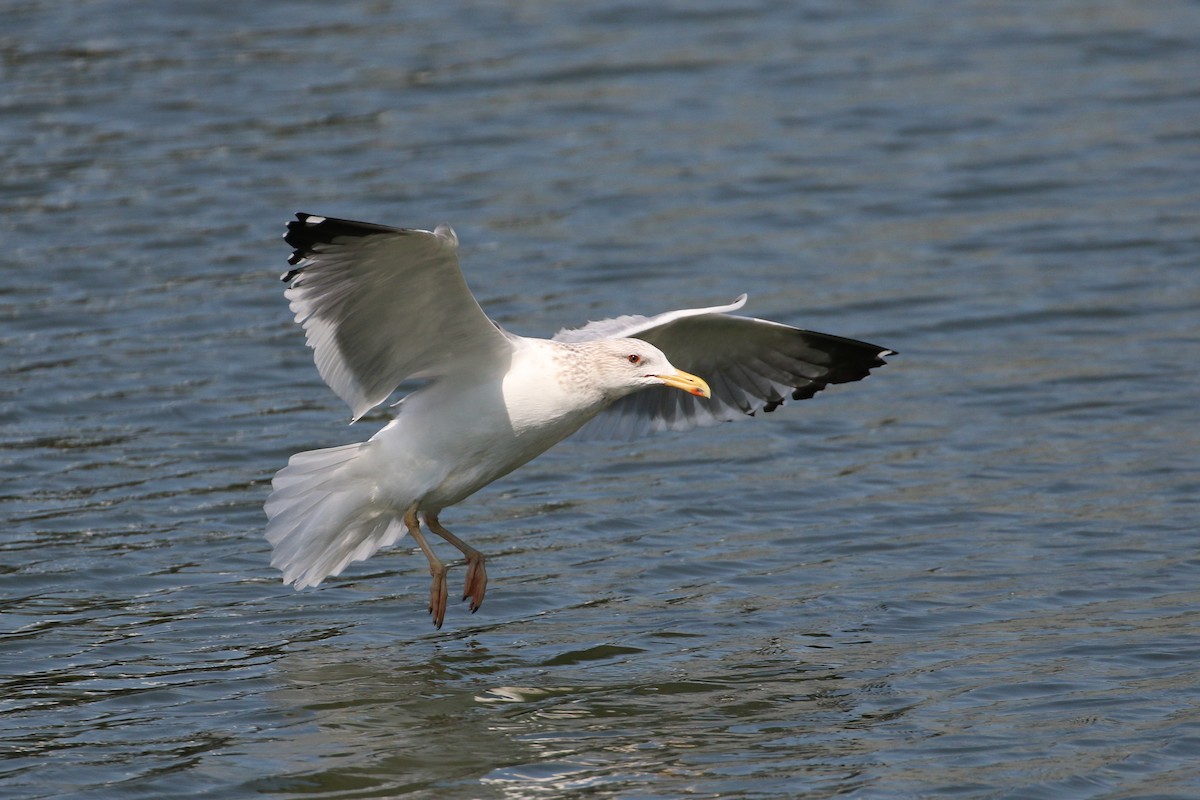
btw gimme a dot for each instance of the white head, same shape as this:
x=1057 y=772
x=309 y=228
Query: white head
x=623 y=366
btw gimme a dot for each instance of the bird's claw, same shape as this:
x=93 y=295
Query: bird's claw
x=438 y=595
x=476 y=583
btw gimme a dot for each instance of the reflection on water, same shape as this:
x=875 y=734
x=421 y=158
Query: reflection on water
x=972 y=574
x=644 y=714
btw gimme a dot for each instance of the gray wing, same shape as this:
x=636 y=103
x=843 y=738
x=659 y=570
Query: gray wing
x=380 y=305
x=626 y=326
x=750 y=365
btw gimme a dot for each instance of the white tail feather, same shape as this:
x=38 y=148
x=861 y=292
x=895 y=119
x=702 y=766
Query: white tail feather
x=323 y=515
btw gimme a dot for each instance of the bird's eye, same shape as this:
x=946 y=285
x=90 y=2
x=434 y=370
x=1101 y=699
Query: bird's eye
x=634 y=358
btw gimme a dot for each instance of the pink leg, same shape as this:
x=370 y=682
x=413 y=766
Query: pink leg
x=476 y=583
x=437 y=593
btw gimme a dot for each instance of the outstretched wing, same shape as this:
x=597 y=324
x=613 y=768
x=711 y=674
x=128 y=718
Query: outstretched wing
x=750 y=365
x=380 y=305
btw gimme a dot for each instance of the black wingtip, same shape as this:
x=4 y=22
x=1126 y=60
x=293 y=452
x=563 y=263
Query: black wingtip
x=838 y=359
x=309 y=231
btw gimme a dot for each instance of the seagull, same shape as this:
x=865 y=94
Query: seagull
x=382 y=305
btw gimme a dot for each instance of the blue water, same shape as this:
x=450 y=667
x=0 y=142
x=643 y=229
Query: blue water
x=973 y=575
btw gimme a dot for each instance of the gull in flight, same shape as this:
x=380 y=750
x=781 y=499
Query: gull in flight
x=382 y=305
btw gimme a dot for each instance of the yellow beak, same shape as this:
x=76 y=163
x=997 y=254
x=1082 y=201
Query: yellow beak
x=686 y=381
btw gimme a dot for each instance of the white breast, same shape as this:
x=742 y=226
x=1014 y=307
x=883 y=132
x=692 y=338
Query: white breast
x=477 y=429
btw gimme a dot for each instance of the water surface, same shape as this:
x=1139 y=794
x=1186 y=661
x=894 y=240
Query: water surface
x=972 y=575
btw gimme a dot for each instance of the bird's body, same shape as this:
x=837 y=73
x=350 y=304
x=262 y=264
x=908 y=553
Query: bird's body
x=469 y=433
x=381 y=305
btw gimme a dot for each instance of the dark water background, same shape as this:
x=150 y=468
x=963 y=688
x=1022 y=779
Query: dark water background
x=973 y=575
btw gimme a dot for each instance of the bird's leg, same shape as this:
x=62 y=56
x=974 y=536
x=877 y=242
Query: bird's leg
x=437 y=593
x=476 y=583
